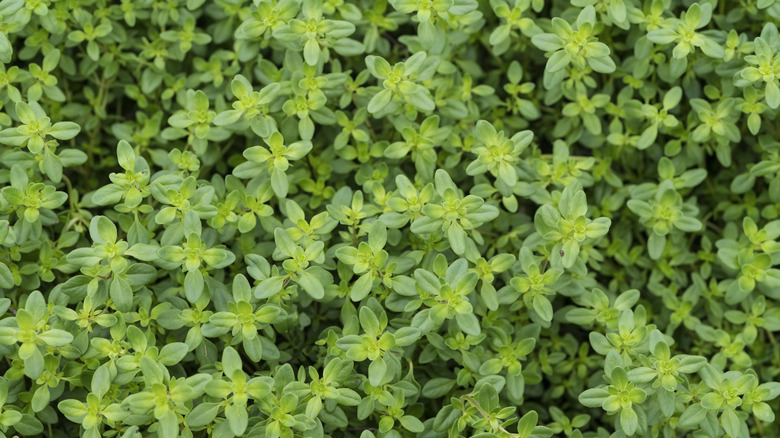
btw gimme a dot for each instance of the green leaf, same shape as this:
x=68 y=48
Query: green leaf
x=202 y=414
x=311 y=52
x=412 y=424
x=594 y=397
x=173 y=353
x=125 y=155
x=693 y=416
x=543 y=307
x=406 y=336
x=527 y=424
x=102 y=230
x=284 y=243
x=311 y=285
x=279 y=183
x=237 y=417
x=380 y=101
x=6 y=277
x=376 y=371
x=730 y=422
x=72 y=408
x=362 y=287
x=420 y=99
x=25 y=113
x=437 y=387
x=558 y=61
x=628 y=421
x=64 y=130
x=193 y=285
x=656 y=245
x=603 y=64
x=121 y=294
x=772 y=95
x=168 y=425
x=469 y=323
x=101 y=381
x=56 y=337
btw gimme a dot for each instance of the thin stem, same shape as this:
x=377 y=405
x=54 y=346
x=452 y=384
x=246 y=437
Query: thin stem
x=396 y=43
x=69 y=185
x=485 y=414
x=759 y=426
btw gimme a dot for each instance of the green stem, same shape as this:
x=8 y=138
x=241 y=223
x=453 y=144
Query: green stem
x=485 y=414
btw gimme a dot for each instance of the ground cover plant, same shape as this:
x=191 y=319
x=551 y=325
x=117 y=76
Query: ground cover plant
x=390 y=218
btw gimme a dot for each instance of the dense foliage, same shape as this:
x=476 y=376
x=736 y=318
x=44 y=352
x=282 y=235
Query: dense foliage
x=390 y=218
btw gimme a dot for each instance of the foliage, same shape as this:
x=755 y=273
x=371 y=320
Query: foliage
x=389 y=218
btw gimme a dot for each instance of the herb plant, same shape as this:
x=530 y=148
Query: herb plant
x=389 y=218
